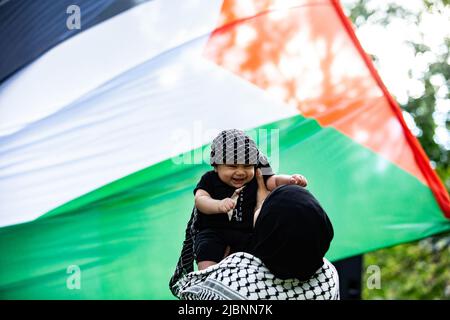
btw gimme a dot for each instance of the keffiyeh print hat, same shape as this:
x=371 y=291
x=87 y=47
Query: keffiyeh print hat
x=292 y=233
x=235 y=147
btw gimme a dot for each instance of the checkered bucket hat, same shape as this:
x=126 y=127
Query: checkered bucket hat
x=235 y=147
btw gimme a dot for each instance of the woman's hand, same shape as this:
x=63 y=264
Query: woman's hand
x=261 y=194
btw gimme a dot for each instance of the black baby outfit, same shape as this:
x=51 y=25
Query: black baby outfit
x=216 y=231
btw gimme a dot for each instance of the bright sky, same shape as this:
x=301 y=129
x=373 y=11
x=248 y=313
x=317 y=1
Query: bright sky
x=396 y=58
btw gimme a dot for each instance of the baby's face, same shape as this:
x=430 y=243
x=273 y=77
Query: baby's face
x=235 y=175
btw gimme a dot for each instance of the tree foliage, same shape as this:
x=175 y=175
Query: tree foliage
x=418 y=270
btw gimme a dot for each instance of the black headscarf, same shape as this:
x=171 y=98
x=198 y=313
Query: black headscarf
x=292 y=233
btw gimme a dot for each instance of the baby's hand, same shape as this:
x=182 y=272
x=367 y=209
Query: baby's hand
x=298 y=179
x=226 y=205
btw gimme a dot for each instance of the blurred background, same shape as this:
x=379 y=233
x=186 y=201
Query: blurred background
x=409 y=44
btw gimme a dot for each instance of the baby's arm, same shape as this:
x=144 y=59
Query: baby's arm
x=281 y=179
x=208 y=205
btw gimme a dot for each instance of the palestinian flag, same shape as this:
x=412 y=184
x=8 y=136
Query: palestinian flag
x=108 y=107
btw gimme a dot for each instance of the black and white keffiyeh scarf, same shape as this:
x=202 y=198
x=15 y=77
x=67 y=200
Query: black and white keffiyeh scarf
x=242 y=276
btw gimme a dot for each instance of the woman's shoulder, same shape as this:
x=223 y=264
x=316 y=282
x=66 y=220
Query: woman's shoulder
x=328 y=274
x=260 y=283
x=214 y=282
x=244 y=276
x=330 y=268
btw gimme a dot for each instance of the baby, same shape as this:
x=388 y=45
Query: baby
x=225 y=197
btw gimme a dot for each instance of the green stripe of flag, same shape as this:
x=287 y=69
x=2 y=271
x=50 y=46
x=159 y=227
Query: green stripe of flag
x=126 y=236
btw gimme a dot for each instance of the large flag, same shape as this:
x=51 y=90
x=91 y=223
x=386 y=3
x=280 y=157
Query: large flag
x=107 y=112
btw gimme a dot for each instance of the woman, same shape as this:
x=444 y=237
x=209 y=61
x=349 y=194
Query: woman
x=284 y=260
